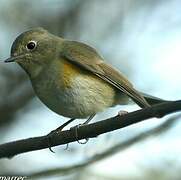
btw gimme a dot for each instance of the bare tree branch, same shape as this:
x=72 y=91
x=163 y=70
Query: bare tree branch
x=109 y=152
x=88 y=131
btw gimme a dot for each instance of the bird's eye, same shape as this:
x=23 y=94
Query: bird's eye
x=31 y=45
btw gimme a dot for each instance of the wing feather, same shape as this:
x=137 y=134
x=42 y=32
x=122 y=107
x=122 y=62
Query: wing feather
x=87 y=58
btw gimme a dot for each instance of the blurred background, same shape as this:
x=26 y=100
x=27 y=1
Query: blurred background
x=140 y=38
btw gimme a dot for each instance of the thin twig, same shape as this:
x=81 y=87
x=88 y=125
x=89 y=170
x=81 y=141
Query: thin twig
x=109 y=152
x=88 y=131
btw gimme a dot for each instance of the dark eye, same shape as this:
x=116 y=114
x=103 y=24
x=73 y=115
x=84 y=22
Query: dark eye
x=31 y=45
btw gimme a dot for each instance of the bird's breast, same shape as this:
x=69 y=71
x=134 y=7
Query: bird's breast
x=73 y=92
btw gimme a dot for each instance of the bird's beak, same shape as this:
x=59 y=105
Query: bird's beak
x=11 y=59
x=14 y=58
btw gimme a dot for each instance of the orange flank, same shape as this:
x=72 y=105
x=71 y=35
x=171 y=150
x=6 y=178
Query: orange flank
x=70 y=71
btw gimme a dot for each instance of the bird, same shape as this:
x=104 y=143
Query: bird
x=71 y=78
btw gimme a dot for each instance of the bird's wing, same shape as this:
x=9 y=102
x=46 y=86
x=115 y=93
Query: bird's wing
x=87 y=58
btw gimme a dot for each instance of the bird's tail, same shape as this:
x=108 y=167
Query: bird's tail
x=152 y=99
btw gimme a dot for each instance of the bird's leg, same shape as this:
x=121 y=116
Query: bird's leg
x=77 y=127
x=58 y=130
x=89 y=119
x=61 y=127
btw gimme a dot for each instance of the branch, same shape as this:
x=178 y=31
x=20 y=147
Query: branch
x=88 y=131
x=109 y=152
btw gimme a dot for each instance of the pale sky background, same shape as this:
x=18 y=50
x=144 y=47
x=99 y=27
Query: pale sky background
x=149 y=40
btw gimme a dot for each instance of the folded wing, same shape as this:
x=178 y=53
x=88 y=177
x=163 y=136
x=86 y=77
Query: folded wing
x=87 y=58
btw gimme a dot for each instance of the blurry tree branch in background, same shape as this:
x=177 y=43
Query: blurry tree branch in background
x=131 y=35
x=109 y=152
x=14 y=95
x=88 y=131
x=15 y=92
x=67 y=21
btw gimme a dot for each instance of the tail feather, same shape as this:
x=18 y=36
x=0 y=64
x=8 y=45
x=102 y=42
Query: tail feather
x=152 y=99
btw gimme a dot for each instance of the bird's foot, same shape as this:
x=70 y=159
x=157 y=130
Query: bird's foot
x=78 y=126
x=59 y=129
x=75 y=128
